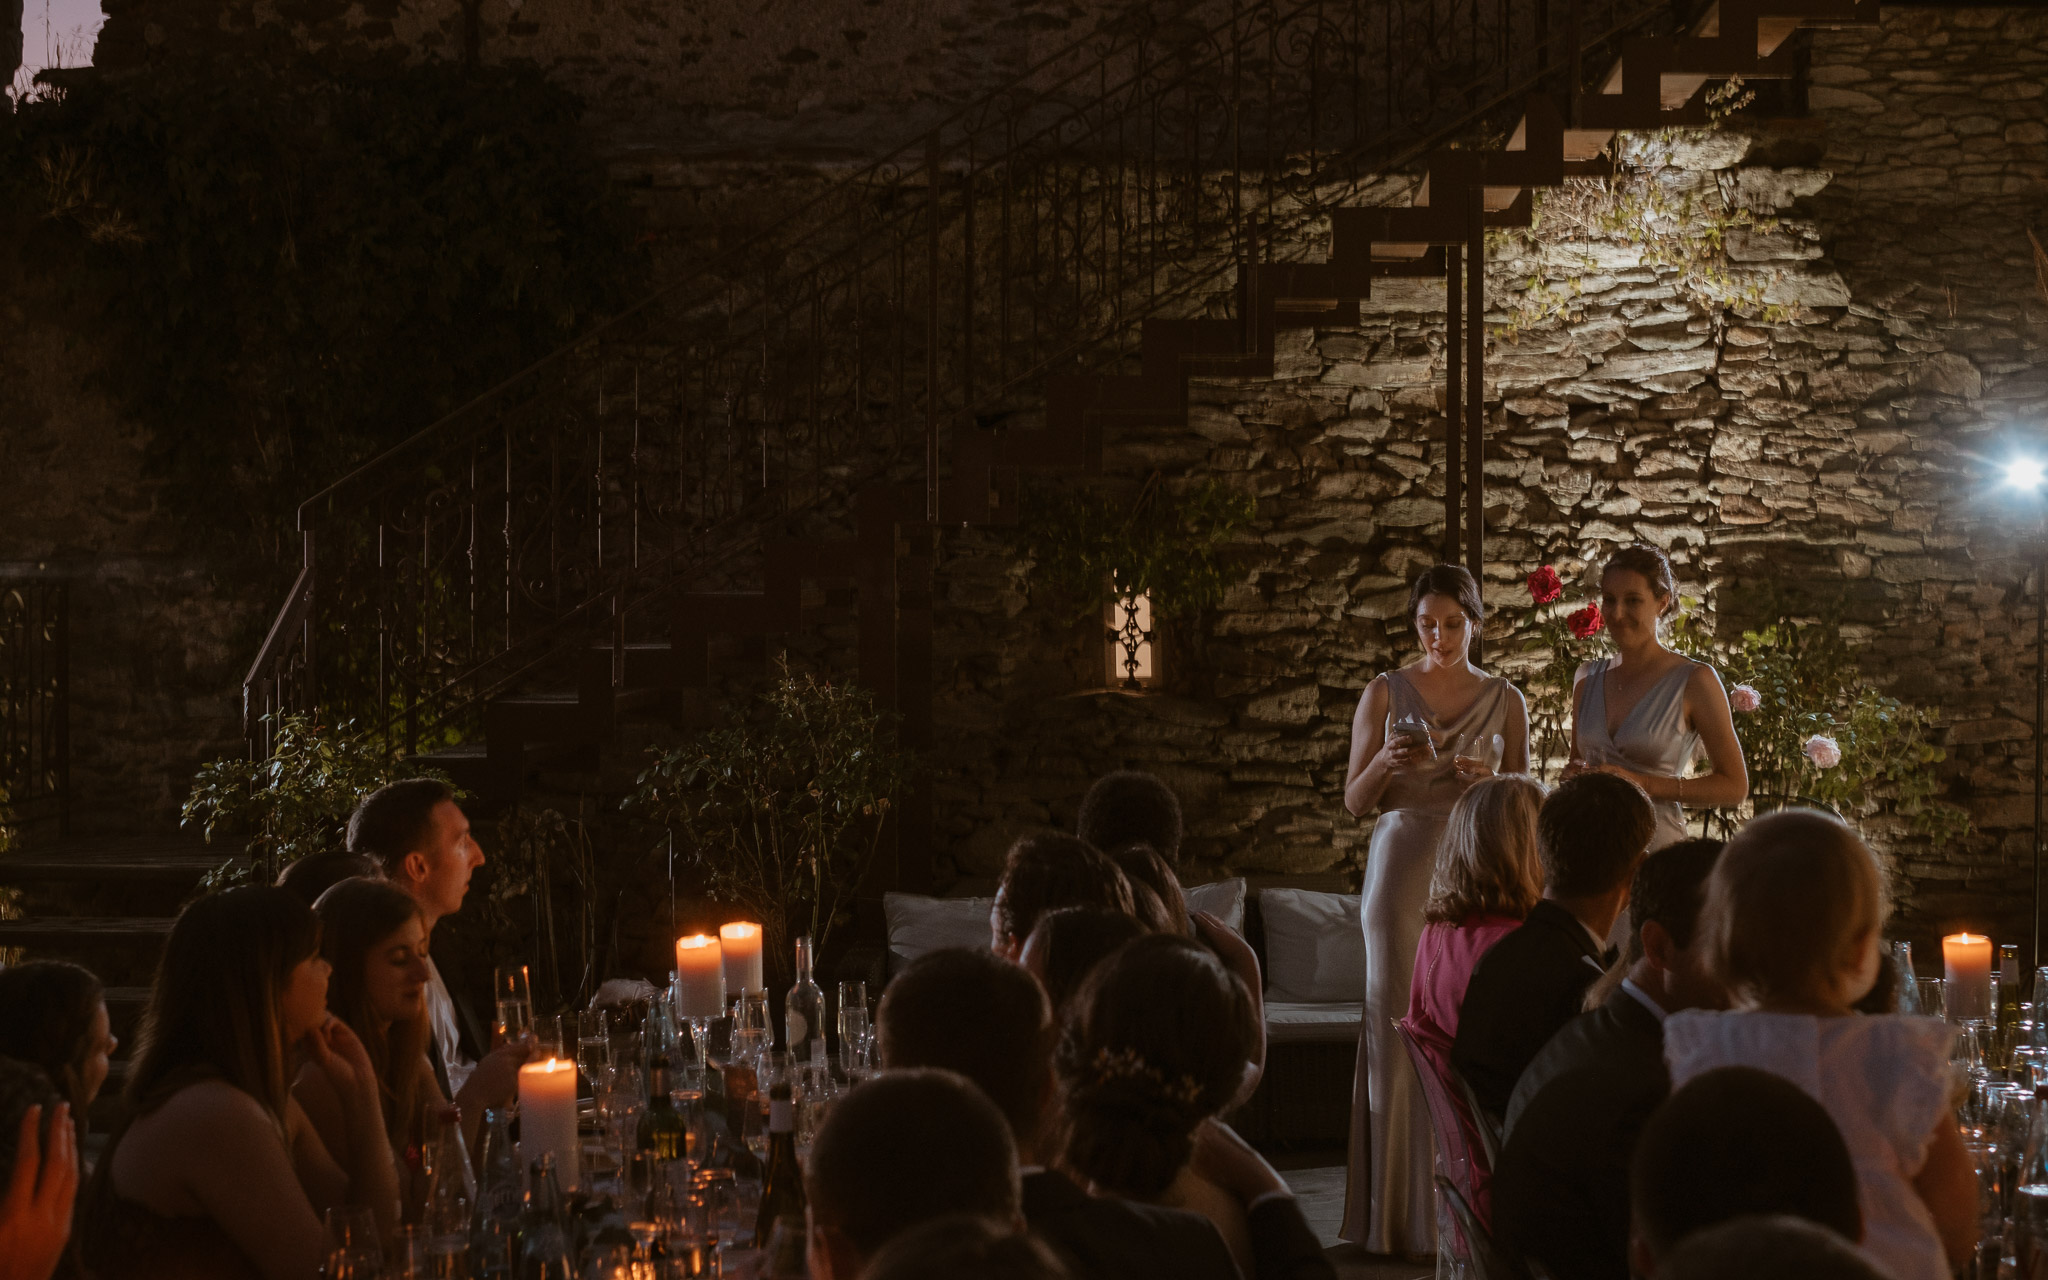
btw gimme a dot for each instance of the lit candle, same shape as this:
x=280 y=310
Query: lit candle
x=700 y=977
x=1966 y=960
x=547 y=1117
x=742 y=946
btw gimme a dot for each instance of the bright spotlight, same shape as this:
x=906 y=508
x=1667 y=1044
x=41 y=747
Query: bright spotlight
x=2025 y=473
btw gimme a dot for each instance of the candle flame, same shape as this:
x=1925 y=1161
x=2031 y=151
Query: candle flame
x=697 y=940
x=550 y=1064
x=1966 y=938
x=739 y=929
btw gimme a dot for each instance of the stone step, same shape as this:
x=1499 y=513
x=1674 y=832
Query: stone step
x=68 y=933
x=171 y=860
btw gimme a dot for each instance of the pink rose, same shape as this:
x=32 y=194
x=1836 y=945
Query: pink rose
x=1745 y=698
x=1823 y=751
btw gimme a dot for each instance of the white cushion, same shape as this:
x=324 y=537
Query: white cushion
x=1223 y=899
x=1290 y=1023
x=1315 y=950
x=918 y=924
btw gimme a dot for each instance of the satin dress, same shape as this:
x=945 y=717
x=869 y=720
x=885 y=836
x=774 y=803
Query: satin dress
x=1653 y=738
x=1389 y=1193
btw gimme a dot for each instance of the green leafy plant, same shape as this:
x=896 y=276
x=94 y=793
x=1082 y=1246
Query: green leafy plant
x=1678 y=225
x=538 y=852
x=782 y=806
x=1085 y=544
x=295 y=802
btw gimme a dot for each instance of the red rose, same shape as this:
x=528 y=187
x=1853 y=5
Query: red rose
x=1585 y=622
x=1545 y=585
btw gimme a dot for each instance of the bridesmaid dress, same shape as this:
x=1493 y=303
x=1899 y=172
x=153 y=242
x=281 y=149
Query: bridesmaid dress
x=1389 y=1194
x=1653 y=738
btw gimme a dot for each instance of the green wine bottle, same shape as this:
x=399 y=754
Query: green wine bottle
x=663 y=1132
x=782 y=1184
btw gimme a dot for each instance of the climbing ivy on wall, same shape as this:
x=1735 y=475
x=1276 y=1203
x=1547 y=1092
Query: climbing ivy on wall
x=292 y=265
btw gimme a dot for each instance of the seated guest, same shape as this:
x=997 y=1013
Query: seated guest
x=1735 y=1142
x=1560 y=1193
x=972 y=1012
x=1156 y=1043
x=419 y=837
x=219 y=1173
x=1131 y=807
x=1487 y=877
x=904 y=1148
x=39 y=1169
x=966 y=1247
x=1791 y=927
x=1767 y=1247
x=1048 y=871
x=1068 y=943
x=53 y=1015
x=316 y=873
x=373 y=935
x=1145 y=869
x=1590 y=834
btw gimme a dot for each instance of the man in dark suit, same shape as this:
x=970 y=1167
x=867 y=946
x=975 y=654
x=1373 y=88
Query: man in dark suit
x=972 y=1012
x=1590 y=834
x=1560 y=1193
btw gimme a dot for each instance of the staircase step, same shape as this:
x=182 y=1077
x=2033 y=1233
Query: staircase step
x=53 y=932
x=177 y=861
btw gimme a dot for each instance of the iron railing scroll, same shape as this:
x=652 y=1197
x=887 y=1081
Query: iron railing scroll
x=35 y=707
x=1030 y=234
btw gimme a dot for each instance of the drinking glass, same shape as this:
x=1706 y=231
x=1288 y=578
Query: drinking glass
x=352 y=1243
x=515 y=1004
x=1989 y=1163
x=548 y=1038
x=1930 y=996
x=853 y=1020
x=717 y=1190
x=410 y=1259
x=593 y=1045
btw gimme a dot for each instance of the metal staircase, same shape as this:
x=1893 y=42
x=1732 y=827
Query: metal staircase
x=1059 y=259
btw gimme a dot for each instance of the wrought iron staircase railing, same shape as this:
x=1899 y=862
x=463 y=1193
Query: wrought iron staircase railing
x=1144 y=205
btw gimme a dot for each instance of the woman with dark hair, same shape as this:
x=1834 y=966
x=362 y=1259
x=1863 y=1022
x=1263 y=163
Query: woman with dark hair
x=1646 y=714
x=219 y=1174
x=53 y=1015
x=375 y=939
x=1156 y=1042
x=1422 y=734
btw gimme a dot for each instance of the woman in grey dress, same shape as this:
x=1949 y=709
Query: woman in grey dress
x=1421 y=736
x=1646 y=714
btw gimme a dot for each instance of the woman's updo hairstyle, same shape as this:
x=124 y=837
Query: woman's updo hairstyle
x=1156 y=1042
x=1654 y=565
x=1446 y=580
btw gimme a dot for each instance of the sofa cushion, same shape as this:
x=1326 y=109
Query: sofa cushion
x=1223 y=899
x=1290 y=1022
x=1315 y=951
x=918 y=924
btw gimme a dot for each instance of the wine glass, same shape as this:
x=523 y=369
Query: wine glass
x=1930 y=993
x=515 y=1004
x=352 y=1248
x=549 y=1037
x=853 y=1020
x=593 y=1045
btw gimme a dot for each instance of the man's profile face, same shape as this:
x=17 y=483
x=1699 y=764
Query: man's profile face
x=438 y=872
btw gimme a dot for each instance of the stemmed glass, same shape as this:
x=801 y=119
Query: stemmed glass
x=352 y=1249
x=515 y=1004
x=853 y=1022
x=593 y=1046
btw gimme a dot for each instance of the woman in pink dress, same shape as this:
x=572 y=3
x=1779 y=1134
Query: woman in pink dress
x=1487 y=877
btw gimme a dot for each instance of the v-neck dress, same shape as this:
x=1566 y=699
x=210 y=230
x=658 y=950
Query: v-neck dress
x=1653 y=738
x=1390 y=1198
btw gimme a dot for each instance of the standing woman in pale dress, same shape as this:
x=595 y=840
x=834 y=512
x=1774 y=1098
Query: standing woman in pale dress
x=1647 y=713
x=1452 y=710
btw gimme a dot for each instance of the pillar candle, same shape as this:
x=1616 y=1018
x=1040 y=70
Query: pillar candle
x=547 y=1117
x=742 y=945
x=700 y=977
x=1966 y=960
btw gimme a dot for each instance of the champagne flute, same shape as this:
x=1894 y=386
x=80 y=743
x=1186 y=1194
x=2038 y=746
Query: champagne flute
x=593 y=1046
x=515 y=1004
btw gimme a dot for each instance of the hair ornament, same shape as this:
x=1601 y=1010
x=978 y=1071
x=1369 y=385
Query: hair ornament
x=1127 y=1064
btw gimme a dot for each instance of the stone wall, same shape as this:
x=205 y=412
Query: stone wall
x=1842 y=448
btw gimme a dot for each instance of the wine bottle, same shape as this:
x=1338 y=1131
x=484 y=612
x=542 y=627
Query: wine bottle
x=494 y=1231
x=446 y=1220
x=2008 y=1011
x=782 y=1183
x=663 y=1132
x=544 y=1250
x=803 y=1010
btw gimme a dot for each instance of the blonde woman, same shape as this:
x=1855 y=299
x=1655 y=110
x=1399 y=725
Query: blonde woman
x=1487 y=877
x=1794 y=911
